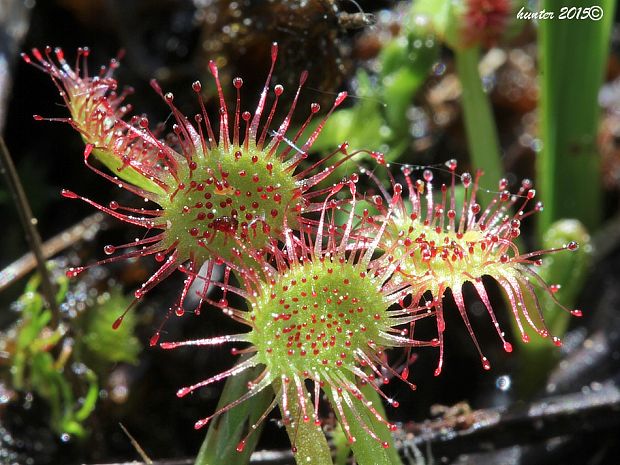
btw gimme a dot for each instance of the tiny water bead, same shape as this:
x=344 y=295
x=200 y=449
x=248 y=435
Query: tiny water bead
x=503 y=383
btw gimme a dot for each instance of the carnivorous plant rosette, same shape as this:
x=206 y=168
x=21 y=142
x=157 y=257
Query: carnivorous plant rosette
x=442 y=245
x=211 y=192
x=322 y=309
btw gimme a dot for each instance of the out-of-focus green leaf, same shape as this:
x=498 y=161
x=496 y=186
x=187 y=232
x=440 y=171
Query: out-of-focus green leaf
x=572 y=56
x=102 y=341
x=378 y=120
x=568 y=270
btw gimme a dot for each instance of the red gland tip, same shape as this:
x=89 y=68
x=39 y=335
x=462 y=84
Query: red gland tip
x=183 y=392
x=508 y=347
x=557 y=341
x=88 y=150
x=385 y=445
x=240 y=446
x=485 y=363
x=37 y=117
x=117 y=322
x=340 y=98
x=68 y=194
x=274 y=51
x=73 y=272
x=200 y=423
x=576 y=312
x=155 y=85
x=154 y=339
x=213 y=68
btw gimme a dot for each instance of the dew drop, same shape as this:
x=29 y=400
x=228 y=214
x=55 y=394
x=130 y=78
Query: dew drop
x=466 y=179
x=485 y=363
x=503 y=383
x=109 y=249
x=572 y=246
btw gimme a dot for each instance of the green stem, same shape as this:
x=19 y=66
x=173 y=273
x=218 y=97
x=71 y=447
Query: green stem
x=482 y=139
x=307 y=438
x=225 y=433
x=572 y=56
x=366 y=449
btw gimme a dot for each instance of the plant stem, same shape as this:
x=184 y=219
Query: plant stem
x=220 y=444
x=29 y=224
x=366 y=449
x=308 y=438
x=572 y=59
x=482 y=139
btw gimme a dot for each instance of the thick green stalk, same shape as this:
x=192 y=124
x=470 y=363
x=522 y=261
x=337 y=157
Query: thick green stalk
x=573 y=54
x=308 y=439
x=220 y=444
x=482 y=139
x=569 y=269
x=366 y=449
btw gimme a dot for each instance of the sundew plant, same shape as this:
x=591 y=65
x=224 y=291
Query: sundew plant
x=333 y=280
